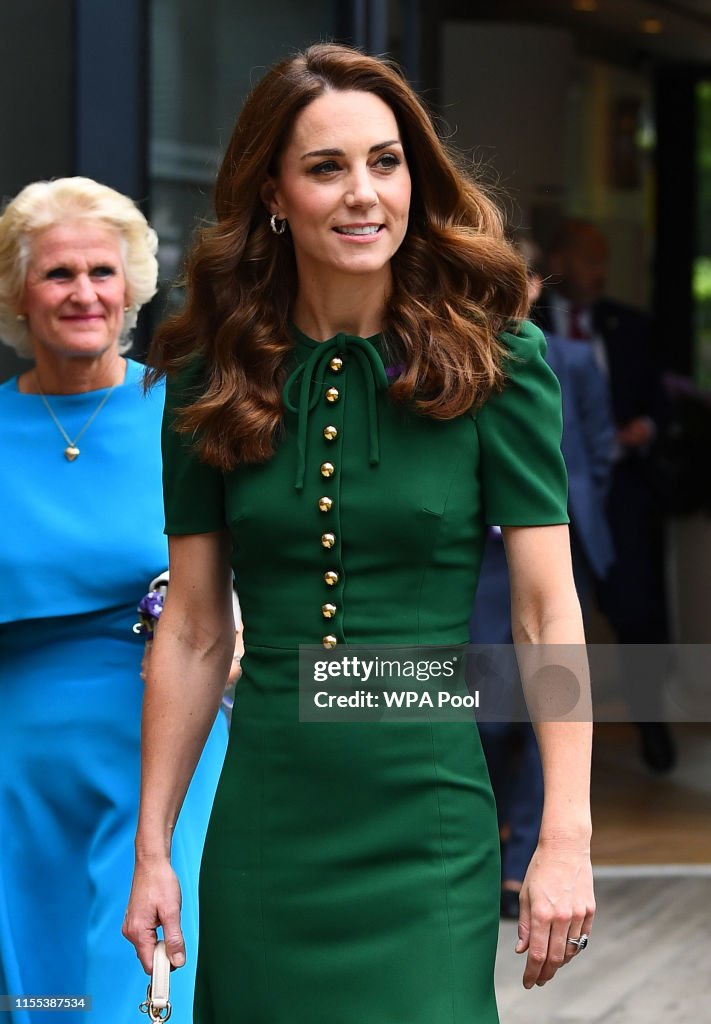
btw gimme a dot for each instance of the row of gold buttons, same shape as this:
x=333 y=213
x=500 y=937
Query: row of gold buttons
x=325 y=504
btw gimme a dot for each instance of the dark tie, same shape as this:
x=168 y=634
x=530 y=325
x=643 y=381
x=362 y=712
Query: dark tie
x=576 y=329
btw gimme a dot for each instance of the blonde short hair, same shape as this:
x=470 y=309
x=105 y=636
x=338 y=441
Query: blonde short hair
x=46 y=203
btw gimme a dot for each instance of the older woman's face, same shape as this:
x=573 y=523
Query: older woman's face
x=75 y=290
x=343 y=186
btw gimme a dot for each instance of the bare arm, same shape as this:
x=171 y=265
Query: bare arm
x=189 y=665
x=557 y=896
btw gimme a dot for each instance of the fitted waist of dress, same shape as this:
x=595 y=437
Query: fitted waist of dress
x=356 y=645
x=280 y=682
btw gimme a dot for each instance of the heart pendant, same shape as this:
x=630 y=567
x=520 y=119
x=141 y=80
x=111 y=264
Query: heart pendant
x=71 y=453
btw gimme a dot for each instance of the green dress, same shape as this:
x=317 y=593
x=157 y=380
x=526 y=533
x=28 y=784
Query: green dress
x=351 y=870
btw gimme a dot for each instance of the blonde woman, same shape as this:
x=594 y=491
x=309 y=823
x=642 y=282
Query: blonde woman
x=82 y=535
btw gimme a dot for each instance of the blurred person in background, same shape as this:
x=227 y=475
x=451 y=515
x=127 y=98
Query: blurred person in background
x=632 y=594
x=587 y=445
x=82 y=534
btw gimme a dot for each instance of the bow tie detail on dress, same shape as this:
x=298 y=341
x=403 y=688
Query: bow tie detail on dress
x=310 y=379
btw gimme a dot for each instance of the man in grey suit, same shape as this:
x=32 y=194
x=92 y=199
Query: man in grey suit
x=587 y=446
x=633 y=594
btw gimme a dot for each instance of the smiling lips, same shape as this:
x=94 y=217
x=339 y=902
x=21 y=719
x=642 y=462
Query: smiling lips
x=358 y=230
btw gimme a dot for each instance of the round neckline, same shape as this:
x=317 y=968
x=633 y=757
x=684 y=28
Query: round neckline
x=303 y=339
x=128 y=379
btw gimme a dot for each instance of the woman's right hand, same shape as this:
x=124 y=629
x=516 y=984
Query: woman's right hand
x=155 y=901
x=186 y=676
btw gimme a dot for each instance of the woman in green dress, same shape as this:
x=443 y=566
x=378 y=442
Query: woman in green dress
x=352 y=397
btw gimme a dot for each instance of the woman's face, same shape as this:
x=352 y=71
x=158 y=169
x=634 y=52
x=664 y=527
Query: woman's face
x=75 y=289
x=344 y=187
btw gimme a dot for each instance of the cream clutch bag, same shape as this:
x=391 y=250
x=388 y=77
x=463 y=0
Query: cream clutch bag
x=157 y=1001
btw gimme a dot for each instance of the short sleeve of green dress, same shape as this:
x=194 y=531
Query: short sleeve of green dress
x=523 y=477
x=193 y=492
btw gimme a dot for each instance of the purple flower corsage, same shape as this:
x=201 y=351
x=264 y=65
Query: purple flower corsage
x=149 y=610
x=150 y=607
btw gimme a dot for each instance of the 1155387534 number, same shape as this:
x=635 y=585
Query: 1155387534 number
x=45 y=1002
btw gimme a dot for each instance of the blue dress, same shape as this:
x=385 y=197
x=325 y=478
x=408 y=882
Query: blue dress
x=79 y=543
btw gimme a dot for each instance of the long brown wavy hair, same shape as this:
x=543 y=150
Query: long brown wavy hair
x=456 y=280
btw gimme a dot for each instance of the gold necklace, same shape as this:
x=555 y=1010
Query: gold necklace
x=71 y=452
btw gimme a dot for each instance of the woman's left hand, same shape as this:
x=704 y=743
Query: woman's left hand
x=557 y=903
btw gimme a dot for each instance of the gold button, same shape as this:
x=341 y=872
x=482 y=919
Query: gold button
x=325 y=504
x=327 y=469
x=330 y=433
x=329 y=641
x=331 y=578
x=336 y=364
x=328 y=540
x=332 y=395
x=328 y=610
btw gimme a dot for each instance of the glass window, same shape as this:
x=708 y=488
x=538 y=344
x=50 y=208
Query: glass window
x=204 y=59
